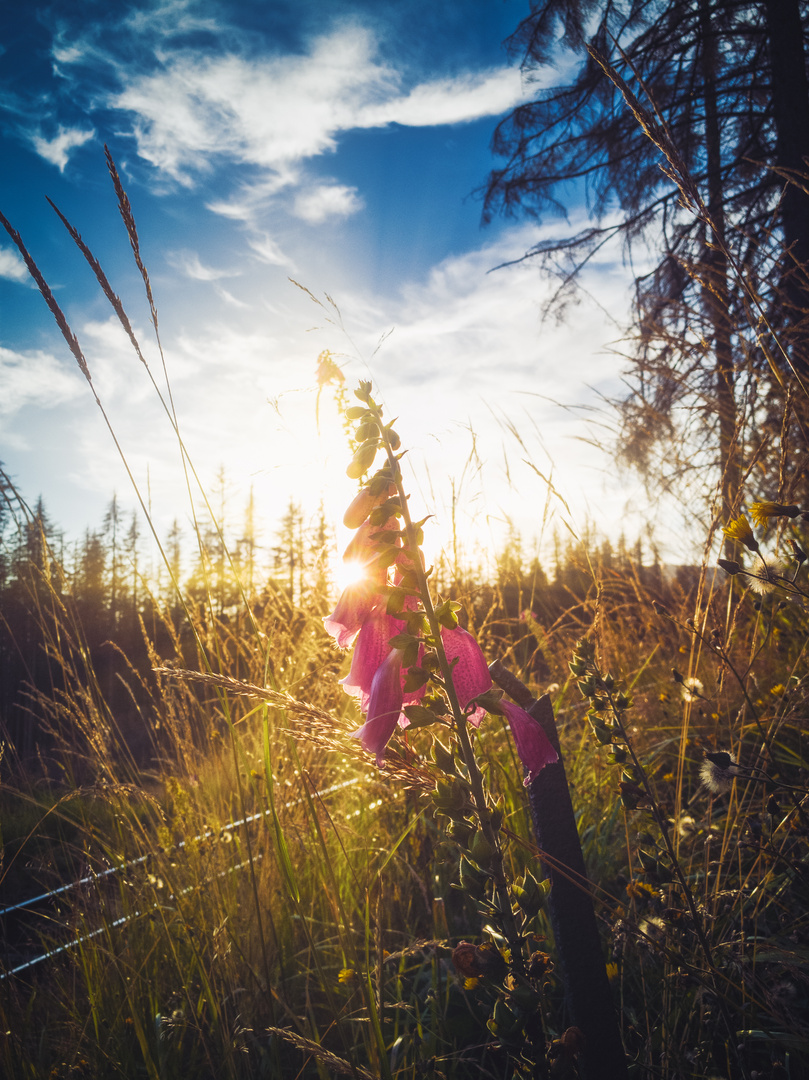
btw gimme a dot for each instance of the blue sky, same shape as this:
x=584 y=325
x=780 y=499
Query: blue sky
x=338 y=144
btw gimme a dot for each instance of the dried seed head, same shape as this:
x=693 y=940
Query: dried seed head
x=718 y=771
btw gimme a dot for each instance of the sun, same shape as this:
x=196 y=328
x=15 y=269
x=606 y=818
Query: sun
x=348 y=573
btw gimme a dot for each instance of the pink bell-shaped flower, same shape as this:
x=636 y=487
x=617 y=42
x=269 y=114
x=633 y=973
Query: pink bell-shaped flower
x=533 y=746
x=356 y=603
x=470 y=676
x=363 y=548
x=370 y=649
x=384 y=706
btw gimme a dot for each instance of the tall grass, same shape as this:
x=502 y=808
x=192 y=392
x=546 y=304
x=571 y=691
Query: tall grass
x=258 y=900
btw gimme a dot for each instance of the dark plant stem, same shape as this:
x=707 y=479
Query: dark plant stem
x=570 y=904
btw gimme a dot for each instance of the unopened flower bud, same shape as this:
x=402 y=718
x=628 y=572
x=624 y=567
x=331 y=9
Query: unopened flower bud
x=797 y=552
x=465 y=961
x=490 y=960
x=730 y=566
x=363 y=459
x=481 y=849
x=368 y=429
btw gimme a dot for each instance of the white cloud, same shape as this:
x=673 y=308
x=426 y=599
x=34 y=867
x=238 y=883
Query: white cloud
x=64 y=53
x=229 y=298
x=266 y=112
x=268 y=251
x=316 y=204
x=36 y=378
x=189 y=263
x=58 y=149
x=469 y=96
x=471 y=331
x=275 y=112
x=249 y=198
x=170 y=18
x=12 y=266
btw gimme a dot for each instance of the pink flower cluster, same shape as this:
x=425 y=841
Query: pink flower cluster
x=377 y=678
x=471 y=678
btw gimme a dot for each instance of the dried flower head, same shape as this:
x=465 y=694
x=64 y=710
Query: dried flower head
x=691 y=689
x=766 y=575
x=686 y=826
x=718 y=771
x=653 y=928
x=465 y=961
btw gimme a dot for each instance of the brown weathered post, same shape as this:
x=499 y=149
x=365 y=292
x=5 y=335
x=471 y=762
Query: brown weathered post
x=570 y=904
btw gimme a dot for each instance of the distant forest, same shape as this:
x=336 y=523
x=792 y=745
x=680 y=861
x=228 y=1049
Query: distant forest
x=101 y=600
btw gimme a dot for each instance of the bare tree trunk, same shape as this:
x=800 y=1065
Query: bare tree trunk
x=715 y=274
x=790 y=99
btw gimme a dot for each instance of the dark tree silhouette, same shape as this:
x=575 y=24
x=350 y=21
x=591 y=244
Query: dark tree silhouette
x=720 y=85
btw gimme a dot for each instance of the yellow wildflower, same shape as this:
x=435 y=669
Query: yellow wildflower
x=761 y=512
x=640 y=890
x=740 y=530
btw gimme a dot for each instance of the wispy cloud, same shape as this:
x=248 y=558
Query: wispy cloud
x=229 y=298
x=198 y=108
x=12 y=266
x=269 y=252
x=35 y=378
x=469 y=96
x=58 y=149
x=170 y=18
x=190 y=264
x=276 y=112
x=268 y=112
x=316 y=204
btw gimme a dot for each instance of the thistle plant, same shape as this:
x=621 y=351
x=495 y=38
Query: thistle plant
x=414 y=666
x=769 y=573
x=607 y=714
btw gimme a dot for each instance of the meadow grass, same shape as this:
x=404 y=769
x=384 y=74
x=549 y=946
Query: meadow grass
x=256 y=899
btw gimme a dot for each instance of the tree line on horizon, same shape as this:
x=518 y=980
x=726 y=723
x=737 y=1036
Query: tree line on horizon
x=99 y=599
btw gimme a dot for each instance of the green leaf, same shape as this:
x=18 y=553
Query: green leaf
x=410 y=654
x=419 y=716
x=416 y=678
x=380 y=515
x=401 y=641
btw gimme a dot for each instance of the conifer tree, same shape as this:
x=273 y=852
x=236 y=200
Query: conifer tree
x=724 y=85
x=111 y=529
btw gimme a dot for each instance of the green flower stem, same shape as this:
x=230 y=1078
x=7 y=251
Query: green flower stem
x=496 y=866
